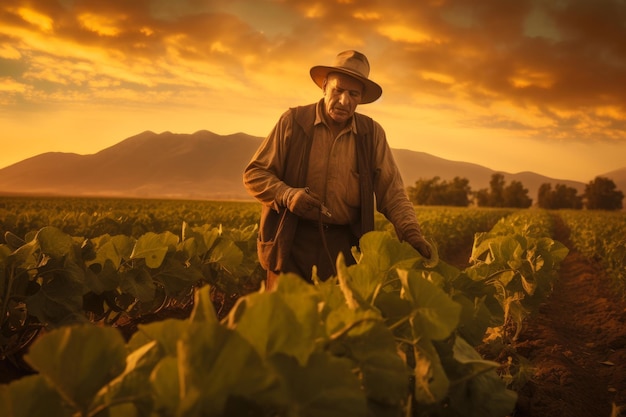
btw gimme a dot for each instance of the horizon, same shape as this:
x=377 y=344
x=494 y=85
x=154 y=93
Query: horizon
x=512 y=87
x=260 y=138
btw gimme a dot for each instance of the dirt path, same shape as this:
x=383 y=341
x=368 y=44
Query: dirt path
x=576 y=345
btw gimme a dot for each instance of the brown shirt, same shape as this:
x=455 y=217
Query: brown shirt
x=332 y=173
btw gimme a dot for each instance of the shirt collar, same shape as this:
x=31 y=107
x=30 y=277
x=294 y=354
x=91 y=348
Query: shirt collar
x=319 y=119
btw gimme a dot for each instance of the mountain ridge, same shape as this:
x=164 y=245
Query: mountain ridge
x=206 y=165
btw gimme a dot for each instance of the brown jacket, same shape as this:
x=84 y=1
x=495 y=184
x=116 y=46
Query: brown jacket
x=278 y=225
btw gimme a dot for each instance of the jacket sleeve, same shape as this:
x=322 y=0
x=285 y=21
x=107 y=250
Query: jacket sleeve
x=391 y=196
x=263 y=176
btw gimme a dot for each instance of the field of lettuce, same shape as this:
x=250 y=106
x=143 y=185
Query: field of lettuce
x=156 y=307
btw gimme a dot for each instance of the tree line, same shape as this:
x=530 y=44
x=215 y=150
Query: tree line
x=600 y=194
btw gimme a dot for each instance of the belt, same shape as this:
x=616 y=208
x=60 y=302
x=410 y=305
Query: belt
x=325 y=226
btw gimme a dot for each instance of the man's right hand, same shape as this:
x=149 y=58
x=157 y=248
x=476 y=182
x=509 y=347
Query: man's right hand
x=302 y=202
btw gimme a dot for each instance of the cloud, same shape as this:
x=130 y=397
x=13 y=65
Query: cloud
x=550 y=70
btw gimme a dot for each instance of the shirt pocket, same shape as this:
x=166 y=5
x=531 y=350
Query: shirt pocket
x=353 y=190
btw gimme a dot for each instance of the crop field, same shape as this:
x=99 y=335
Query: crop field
x=123 y=307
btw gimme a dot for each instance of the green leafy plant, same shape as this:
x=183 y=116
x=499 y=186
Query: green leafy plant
x=379 y=338
x=50 y=279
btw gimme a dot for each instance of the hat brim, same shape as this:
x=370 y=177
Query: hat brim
x=371 y=90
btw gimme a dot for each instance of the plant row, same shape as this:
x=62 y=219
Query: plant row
x=452 y=229
x=49 y=278
x=93 y=217
x=600 y=236
x=393 y=335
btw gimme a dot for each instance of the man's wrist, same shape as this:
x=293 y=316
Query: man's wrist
x=285 y=196
x=412 y=235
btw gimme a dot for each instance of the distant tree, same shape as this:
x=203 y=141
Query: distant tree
x=421 y=192
x=560 y=198
x=515 y=195
x=545 y=196
x=500 y=195
x=482 y=198
x=496 y=193
x=457 y=192
x=435 y=192
x=602 y=194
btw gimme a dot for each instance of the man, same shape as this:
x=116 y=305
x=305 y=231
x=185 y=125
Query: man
x=317 y=174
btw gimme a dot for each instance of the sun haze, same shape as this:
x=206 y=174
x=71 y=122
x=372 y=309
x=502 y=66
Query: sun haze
x=531 y=85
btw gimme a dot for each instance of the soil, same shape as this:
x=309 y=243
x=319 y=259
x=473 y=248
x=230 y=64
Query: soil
x=576 y=344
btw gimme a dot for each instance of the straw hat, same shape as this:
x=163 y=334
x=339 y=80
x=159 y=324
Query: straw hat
x=354 y=64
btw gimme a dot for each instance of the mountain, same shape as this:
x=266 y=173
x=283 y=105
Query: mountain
x=203 y=165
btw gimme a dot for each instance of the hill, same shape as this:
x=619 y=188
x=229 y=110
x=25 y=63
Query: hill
x=202 y=165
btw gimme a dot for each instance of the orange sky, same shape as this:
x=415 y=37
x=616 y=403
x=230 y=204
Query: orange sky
x=537 y=85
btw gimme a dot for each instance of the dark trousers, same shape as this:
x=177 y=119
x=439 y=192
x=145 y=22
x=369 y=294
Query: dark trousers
x=309 y=249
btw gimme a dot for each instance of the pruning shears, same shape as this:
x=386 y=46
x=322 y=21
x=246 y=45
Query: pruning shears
x=323 y=208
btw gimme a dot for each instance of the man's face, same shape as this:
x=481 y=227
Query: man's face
x=342 y=94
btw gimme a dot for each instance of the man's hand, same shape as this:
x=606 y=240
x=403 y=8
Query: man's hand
x=303 y=203
x=420 y=244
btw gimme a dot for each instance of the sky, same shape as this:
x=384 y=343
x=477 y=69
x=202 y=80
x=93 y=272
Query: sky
x=513 y=85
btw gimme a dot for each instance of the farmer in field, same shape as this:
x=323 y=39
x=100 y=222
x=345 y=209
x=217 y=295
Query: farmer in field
x=318 y=172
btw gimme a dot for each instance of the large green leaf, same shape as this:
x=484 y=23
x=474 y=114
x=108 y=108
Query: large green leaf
x=552 y=252
x=60 y=298
x=165 y=387
x=113 y=248
x=199 y=240
x=559 y=251
x=385 y=253
x=475 y=318
x=227 y=255
x=139 y=284
x=26 y=257
x=324 y=387
x=280 y=321
x=435 y=314
x=132 y=387
x=54 y=242
x=480 y=392
x=153 y=247
x=216 y=363
x=209 y=234
x=481 y=252
x=471 y=360
x=330 y=295
x=203 y=309
x=166 y=333
x=79 y=360
x=31 y=396
x=102 y=277
x=395 y=312
x=177 y=276
x=359 y=283
x=356 y=330
x=343 y=321
x=385 y=376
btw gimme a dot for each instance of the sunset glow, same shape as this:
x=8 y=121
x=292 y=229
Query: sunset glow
x=530 y=85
